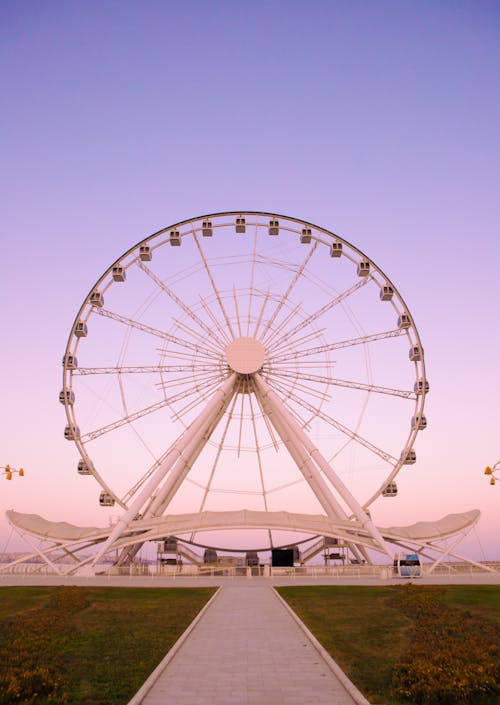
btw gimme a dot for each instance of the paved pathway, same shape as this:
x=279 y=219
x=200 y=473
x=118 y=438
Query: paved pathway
x=247 y=650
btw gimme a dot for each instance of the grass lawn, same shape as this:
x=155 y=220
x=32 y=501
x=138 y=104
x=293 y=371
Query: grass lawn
x=373 y=633
x=72 y=645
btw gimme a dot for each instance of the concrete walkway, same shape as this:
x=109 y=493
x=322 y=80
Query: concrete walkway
x=247 y=649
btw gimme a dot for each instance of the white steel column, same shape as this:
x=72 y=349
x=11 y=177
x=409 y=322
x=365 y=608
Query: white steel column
x=302 y=460
x=195 y=430
x=185 y=463
x=281 y=411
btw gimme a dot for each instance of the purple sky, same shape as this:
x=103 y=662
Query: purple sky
x=376 y=120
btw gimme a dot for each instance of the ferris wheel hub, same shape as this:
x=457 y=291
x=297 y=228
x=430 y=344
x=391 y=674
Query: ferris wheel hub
x=245 y=355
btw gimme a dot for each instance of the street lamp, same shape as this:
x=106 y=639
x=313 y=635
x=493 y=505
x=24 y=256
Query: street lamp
x=494 y=473
x=9 y=470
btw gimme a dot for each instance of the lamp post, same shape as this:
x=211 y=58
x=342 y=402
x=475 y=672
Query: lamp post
x=494 y=472
x=8 y=471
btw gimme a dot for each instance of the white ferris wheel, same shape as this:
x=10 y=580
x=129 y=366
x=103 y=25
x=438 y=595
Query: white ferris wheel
x=244 y=363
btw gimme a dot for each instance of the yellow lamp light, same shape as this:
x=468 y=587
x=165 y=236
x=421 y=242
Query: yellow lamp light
x=21 y=472
x=492 y=481
x=488 y=471
x=9 y=476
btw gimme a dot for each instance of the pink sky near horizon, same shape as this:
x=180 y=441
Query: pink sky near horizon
x=377 y=121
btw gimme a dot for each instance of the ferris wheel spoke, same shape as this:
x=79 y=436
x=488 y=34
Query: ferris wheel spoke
x=144 y=369
x=179 y=302
x=236 y=308
x=287 y=391
x=130 y=418
x=287 y=345
x=320 y=312
x=199 y=386
x=197 y=336
x=200 y=378
x=315 y=364
x=214 y=320
x=296 y=381
x=252 y=276
x=307 y=352
x=132 y=323
x=213 y=284
x=289 y=290
x=285 y=322
x=220 y=448
x=188 y=357
x=374 y=388
x=353 y=435
x=258 y=453
x=336 y=382
x=262 y=309
x=205 y=392
x=92 y=435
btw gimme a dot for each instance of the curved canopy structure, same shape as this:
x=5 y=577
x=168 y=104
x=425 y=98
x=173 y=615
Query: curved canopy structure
x=426 y=537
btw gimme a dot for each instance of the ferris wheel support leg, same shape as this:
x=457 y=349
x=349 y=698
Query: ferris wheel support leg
x=184 y=464
x=201 y=424
x=349 y=499
x=303 y=461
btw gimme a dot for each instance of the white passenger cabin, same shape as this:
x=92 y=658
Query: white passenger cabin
x=305 y=237
x=363 y=268
x=418 y=422
x=175 y=238
x=97 y=299
x=206 y=228
x=81 y=329
x=106 y=500
x=391 y=490
x=421 y=386
x=70 y=361
x=67 y=396
x=83 y=468
x=386 y=293
x=409 y=457
x=118 y=274
x=145 y=253
x=404 y=321
x=415 y=353
x=71 y=432
x=335 y=249
x=274 y=227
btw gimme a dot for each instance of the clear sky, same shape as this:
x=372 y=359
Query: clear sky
x=376 y=120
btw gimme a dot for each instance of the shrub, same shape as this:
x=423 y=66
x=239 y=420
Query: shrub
x=452 y=658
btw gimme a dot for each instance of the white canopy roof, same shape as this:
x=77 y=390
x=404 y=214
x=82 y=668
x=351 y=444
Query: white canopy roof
x=183 y=523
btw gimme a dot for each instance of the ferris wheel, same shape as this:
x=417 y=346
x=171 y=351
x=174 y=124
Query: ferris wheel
x=244 y=360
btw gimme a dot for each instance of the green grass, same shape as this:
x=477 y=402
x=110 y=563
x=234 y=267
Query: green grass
x=87 y=645
x=96 y=646
x=373 y=633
